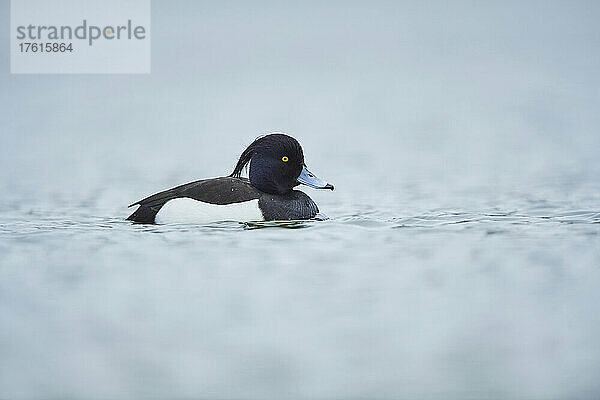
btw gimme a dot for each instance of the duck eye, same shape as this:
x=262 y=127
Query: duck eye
x=284 y=159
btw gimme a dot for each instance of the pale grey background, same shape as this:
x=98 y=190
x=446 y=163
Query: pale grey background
x=462 y=255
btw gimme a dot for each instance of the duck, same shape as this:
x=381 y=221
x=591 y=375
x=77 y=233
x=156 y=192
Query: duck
x=276 y=167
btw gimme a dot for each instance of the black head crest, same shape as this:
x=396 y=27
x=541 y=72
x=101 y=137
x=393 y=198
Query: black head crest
x=267 y=143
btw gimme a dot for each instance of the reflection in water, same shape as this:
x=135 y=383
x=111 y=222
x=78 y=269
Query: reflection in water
x=376 y=300
x=277 y=224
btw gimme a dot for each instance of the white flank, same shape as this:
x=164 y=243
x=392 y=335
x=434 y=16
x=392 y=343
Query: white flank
x=186 y=210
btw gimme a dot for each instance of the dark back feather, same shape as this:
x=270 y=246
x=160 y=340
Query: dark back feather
x=226 y=190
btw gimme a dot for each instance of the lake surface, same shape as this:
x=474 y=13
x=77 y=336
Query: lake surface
x=461 y=257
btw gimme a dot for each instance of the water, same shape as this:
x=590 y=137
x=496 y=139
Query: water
x=461 y=257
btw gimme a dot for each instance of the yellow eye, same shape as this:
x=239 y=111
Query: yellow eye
x=284 y=159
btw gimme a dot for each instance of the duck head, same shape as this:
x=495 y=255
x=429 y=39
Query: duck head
x=277 y=165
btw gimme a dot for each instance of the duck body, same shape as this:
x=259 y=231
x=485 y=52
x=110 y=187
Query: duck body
x=222 y=199
x=276 y=166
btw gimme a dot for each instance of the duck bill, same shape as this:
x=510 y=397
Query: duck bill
x=309 y=179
